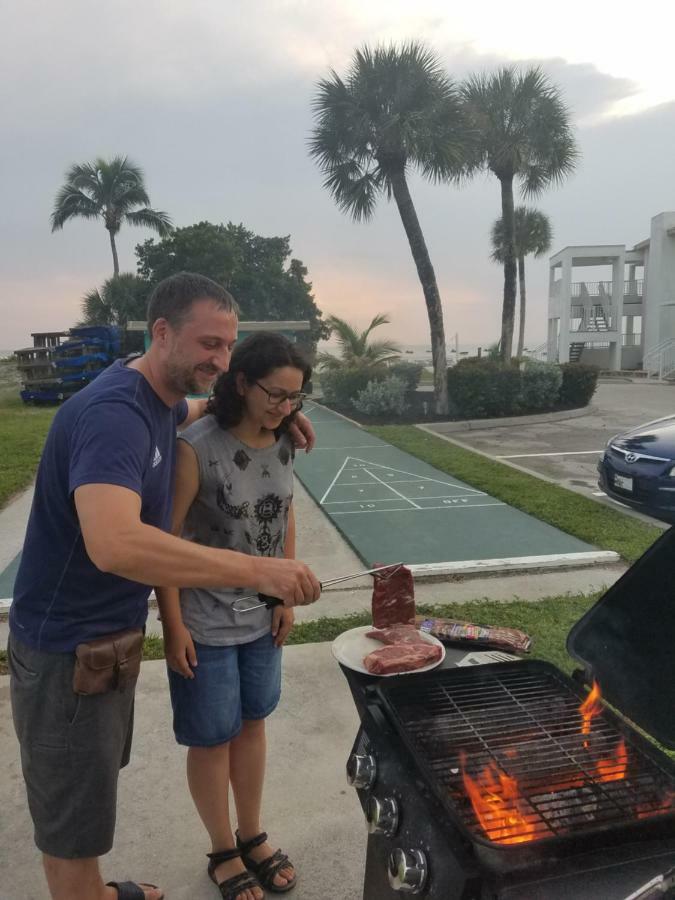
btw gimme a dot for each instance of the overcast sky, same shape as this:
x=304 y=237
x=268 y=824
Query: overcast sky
x=213 y=100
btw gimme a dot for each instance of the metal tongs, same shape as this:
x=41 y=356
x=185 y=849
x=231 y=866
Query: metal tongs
x=269 y=602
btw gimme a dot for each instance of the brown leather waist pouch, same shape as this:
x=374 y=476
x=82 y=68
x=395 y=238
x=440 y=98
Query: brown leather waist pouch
x=110 y=663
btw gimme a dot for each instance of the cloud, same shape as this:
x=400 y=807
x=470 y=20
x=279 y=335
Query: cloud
x=213 y=100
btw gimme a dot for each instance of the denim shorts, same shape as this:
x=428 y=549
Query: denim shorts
x=72 y=749
x=240 y=681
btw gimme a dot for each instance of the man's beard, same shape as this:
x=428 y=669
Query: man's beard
x=184 y=379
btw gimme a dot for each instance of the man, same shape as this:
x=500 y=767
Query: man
x=97 y=540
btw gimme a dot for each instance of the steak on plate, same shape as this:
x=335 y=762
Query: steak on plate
x=401 y=658
x=397 y=634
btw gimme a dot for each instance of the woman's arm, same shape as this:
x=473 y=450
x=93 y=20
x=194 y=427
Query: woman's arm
x=179 y=648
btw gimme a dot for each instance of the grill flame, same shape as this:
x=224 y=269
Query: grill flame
x=590 y=708
x=504 y=814
x=502 y=809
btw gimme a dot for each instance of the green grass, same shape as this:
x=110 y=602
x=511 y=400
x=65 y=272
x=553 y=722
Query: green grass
x=570 y=512
x=548 y=621
x=22 y=435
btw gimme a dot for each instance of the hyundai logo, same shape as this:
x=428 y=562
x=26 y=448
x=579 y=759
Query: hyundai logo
x=631 y=457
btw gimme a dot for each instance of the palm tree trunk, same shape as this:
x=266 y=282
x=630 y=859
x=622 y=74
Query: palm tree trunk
x=432 y=297
x=509 y=303
x=116 y=263
x=521 y=324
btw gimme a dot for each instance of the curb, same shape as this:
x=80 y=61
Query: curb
x=506 y=422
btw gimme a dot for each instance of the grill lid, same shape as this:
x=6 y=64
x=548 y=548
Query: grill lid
x=627 y=641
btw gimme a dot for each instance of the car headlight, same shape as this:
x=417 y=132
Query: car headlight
x=671 y=472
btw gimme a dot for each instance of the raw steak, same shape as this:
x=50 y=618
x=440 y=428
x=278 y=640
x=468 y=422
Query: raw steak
x=397 y=634
x=401 y=658
x=393 y=598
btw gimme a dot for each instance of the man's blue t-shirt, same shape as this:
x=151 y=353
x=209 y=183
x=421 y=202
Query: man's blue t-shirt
x=114 y=431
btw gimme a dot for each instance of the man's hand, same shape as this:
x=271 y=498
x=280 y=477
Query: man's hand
x=302 y=432
x=289 y=580
x=179 y=650
x=282 y=622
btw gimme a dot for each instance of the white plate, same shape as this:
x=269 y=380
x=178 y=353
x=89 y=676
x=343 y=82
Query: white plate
x=350 y=647
x=626 y=484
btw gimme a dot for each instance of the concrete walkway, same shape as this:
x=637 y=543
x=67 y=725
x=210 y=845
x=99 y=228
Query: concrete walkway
x=309 y=808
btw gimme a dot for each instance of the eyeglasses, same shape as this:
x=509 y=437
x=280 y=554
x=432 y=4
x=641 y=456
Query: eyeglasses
x=277 y=397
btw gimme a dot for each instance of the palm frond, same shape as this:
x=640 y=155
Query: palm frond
x=71 y=203
x=151 y=218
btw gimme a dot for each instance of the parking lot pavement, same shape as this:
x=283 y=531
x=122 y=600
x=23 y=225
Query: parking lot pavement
x=567 y=450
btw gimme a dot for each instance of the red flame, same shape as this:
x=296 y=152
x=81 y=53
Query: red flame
x=590 y=708
x=504 y=814
x=614 y=767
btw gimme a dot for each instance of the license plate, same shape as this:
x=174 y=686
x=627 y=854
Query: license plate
x=626 y=484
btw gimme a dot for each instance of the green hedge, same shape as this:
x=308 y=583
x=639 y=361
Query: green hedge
x=342 y=386
x=484 y=388
x=409 y=372
x=487 y=388
x=578 y=384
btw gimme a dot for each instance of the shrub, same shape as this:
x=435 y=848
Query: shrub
x=340 y=386
x=539 y=385
x=579 y=382
x=480 y=388
x=409 y=372
x=379 y=398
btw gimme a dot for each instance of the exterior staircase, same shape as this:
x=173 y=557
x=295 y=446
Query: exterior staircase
x=659 y=363
x=576 y=349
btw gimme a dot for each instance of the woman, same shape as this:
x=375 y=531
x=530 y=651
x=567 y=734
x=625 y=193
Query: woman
x=234 y=489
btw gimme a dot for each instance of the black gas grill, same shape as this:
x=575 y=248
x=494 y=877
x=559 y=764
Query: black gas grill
x=522 y=721
x=495 y=782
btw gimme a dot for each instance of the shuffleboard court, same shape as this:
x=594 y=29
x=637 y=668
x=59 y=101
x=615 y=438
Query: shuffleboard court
x=392 y=507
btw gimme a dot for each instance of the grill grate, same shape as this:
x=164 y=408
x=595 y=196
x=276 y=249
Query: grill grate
x=523 y=723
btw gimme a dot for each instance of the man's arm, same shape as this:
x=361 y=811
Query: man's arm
x=117 y=541
x=196 y=409
x=300 y=430
x=289 y=546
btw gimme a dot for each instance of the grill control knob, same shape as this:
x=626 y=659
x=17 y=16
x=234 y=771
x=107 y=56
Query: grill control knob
x=407 y=870
x=361 y=771
x=382 y=815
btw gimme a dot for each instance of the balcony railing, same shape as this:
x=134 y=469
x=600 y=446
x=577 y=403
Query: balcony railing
x=631 y=288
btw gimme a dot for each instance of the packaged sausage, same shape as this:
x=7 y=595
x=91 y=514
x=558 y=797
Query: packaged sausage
x=454 y=631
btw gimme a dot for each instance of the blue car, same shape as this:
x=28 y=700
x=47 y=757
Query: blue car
x=638 y=468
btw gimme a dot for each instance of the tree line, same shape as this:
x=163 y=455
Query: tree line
x=396 y=111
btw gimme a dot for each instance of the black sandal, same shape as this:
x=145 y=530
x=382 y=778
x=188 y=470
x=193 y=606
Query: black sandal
x=268 y=868
x=131 y=890
x=231 y=887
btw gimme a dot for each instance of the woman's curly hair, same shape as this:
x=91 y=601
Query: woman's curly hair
x=255 y=357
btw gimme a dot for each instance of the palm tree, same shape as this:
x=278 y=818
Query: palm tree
x=111 y=190
x=521 y=129
x=121 y=298
x=356 y=349
x=532 y=235
x=395 y=111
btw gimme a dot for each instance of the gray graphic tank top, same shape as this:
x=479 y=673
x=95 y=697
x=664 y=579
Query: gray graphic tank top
x=244 y=497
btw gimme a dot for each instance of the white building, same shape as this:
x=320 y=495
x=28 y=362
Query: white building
x=615 y=307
